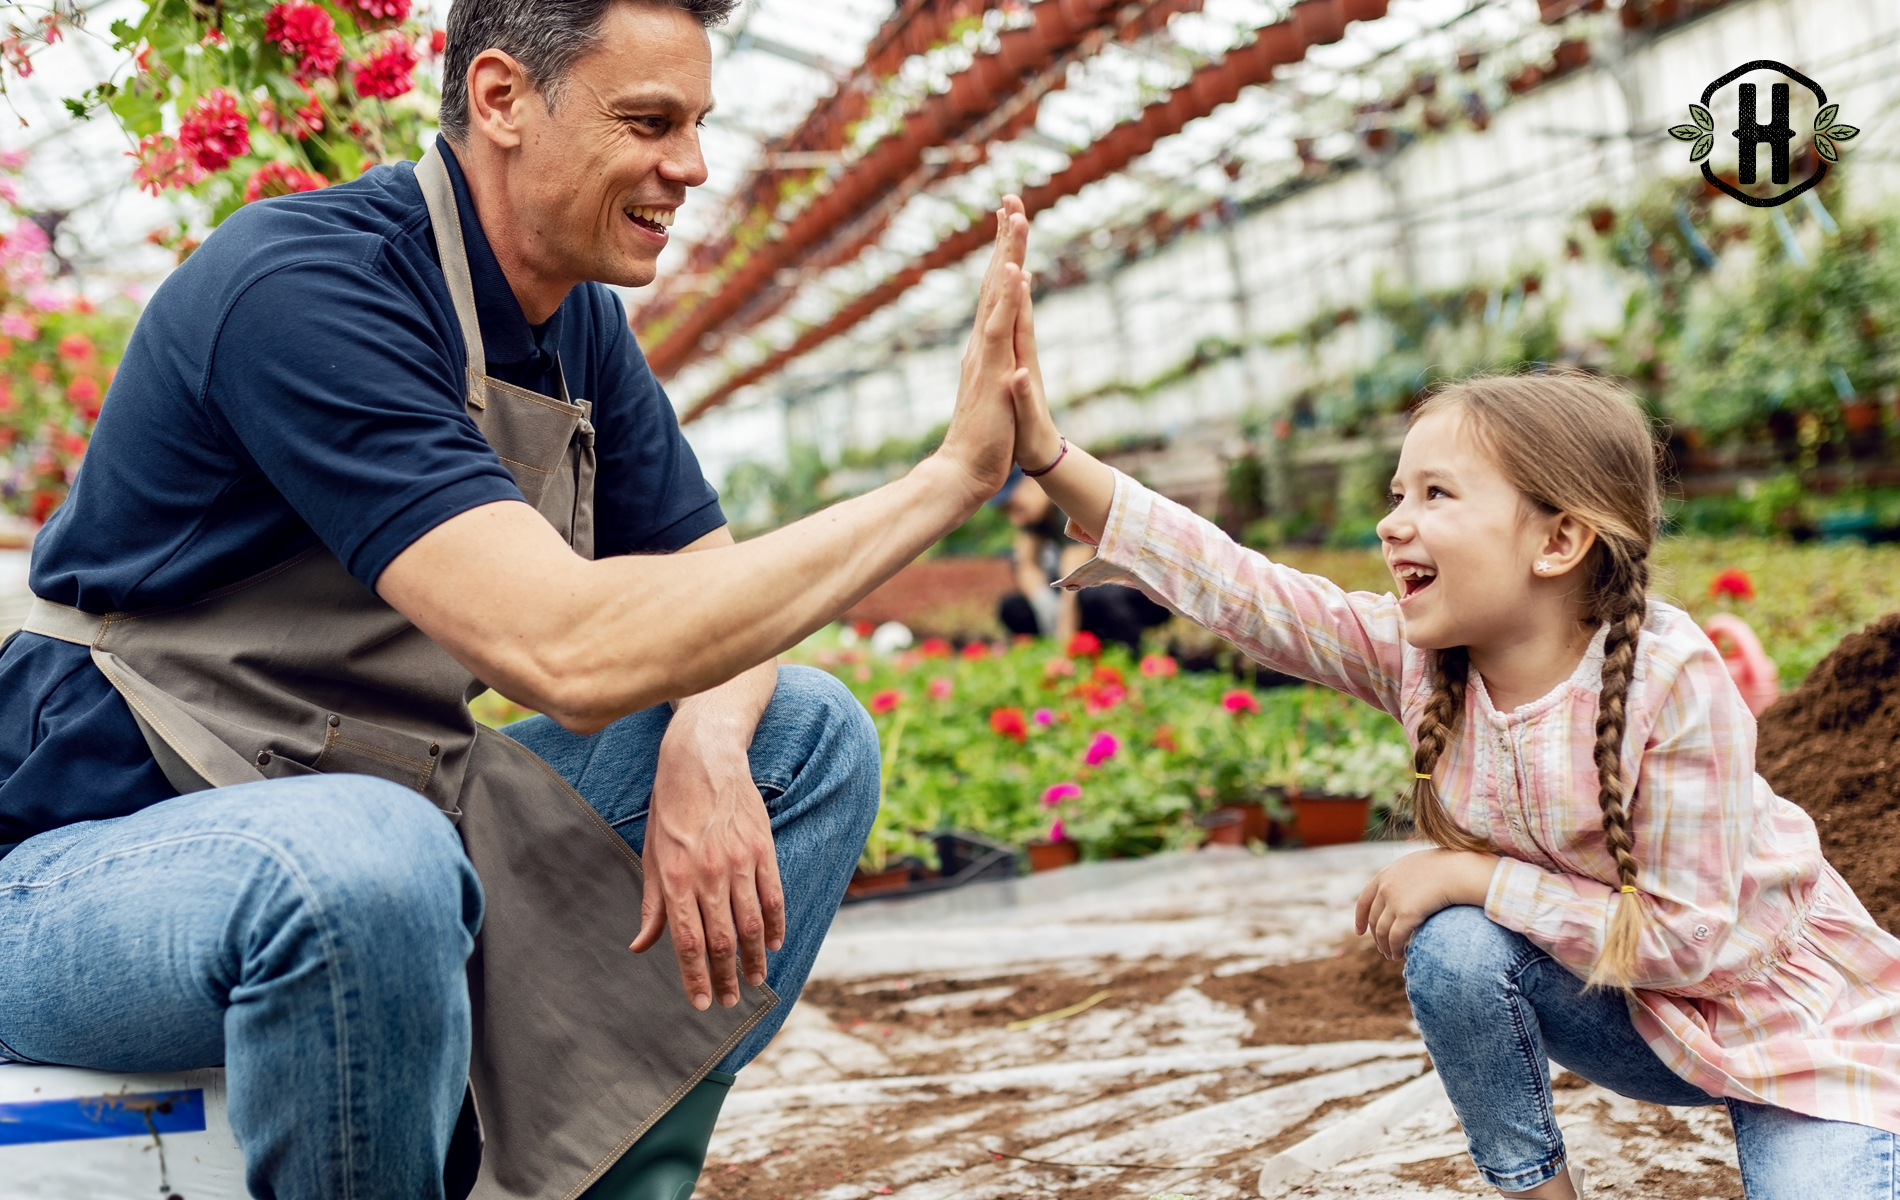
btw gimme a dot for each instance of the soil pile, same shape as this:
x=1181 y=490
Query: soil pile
x=1833 y=747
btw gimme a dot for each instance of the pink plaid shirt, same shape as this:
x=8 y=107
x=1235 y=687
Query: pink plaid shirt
x=1761 y=976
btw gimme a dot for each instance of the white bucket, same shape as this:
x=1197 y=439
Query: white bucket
x=67 y=1134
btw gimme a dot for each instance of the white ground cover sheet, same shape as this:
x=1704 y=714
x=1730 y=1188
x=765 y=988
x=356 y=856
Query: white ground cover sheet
x=1172 y=1083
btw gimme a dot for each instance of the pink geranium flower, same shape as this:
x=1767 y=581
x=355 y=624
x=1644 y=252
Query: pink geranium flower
x=886 y=700
x=1159 y=666
x=1056 y=793
x=1056 y=832
x=941 y=688
x=1044 y=716
x=1240 y=701
x=1102 y=747
x=215 y=132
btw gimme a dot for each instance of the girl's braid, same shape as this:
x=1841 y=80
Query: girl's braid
x=1451 y=669
x=1621 y=602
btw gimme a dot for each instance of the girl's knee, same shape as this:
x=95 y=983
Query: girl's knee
x=1458 y=954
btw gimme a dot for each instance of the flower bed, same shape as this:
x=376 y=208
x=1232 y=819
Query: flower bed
x=1022 y=743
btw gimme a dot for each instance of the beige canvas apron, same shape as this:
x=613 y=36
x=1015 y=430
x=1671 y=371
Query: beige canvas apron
x=579 y=1045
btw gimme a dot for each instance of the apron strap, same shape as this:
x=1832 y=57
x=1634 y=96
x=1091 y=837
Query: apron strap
x=439 y=193
x=64 y=624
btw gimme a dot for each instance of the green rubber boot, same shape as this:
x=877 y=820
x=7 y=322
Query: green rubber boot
x=665 y=1163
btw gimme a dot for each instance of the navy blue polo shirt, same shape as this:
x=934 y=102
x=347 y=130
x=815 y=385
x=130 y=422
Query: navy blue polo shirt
x=300 y=380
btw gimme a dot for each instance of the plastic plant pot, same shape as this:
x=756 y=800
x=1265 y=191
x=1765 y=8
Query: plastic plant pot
x=1362 y=10
x=1224 y=827
x=1023 y=50
x=1319 y=22
x=1330 y=820
x=891 y=879
x=1216 y=85
x=1053 y=856
x=1572 y=54
x=969 y=94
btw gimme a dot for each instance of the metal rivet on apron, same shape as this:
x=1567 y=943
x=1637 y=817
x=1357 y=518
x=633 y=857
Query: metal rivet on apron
x=263 y=758
x=434 y=749
x=335 y=720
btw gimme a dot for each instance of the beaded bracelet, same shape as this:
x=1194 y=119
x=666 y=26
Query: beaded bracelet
x=1060 y=455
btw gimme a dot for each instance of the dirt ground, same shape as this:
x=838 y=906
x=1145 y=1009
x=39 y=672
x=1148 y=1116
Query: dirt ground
x=1218 y=1013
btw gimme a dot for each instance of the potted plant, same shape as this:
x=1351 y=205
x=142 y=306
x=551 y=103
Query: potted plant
x=1046 y=855
x=1336 y=785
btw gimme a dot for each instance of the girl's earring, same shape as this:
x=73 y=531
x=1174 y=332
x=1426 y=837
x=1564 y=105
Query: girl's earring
x=1543 y=565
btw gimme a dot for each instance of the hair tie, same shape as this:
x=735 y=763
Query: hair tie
x=1421 y=775
x=1628 y=889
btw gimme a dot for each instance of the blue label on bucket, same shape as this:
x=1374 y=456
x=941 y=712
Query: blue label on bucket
x=130 y=1114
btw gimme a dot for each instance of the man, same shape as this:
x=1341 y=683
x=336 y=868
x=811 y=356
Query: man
x=1044 y=553
x=370 y=446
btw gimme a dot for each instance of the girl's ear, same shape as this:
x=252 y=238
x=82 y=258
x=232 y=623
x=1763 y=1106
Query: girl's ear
x=1567 y=542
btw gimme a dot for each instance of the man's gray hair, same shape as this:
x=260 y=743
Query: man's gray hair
x=547 y=37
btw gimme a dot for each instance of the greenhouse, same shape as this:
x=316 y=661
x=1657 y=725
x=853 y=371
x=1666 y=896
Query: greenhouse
x=1170 y=599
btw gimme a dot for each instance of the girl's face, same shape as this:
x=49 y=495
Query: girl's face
x=1461 y=542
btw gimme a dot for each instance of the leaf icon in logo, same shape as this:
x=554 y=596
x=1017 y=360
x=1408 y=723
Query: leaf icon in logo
x=1685 y=133
x=1826 y=116
x=1842 y=133
x=1824 y=146
x=1701 y=116
x=1702 y=147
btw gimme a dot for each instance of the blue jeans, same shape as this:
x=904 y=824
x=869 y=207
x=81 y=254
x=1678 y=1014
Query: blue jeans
x=310 y=935
x=1496 y=1011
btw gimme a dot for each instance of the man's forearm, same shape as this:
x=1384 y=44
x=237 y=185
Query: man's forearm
x=589 y=642
x=730 y=713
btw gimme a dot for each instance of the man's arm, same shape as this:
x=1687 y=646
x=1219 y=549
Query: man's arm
x=711 y=862
x=589 y=642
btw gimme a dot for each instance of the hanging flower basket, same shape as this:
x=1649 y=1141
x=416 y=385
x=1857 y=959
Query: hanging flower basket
x=1318 y=22
x=1024 y=50
x=1362 y=10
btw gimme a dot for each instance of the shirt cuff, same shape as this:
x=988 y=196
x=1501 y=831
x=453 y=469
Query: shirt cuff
x=1513 y=899
x=1118 y=550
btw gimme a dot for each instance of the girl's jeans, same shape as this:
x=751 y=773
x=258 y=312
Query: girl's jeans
x=310 y=935
x=1496 y=1011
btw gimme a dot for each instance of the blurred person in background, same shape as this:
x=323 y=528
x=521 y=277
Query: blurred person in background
x=1044 y=552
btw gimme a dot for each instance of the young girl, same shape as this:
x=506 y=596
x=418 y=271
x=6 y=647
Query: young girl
x=1615 y=889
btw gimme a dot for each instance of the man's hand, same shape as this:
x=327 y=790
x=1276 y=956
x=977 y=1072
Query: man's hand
x=1400 y=898
x=982 y=429
x=711 y=866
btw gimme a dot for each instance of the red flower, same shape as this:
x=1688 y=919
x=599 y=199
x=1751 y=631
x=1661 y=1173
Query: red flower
x=1239 y=701
x=1084 y=645
x=1732 y=582
x=1099 y=697
x=976 y=650
x=308 y=118
x=388 y=73
x=307 y=36
x=438 y=42
x=1159 y=666
x=392 y=11
x=1164 y=739
x=935 y=648
x=1107 y=674
x=77 y=347
x=163 y=163
x=85 y=395
x=280 y=179
x=215 y=132
x=1010 y=723
x=942 y=689
x=886 y=700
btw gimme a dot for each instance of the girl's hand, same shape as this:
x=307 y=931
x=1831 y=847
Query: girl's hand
x=1401 y=897
x=1037 y=442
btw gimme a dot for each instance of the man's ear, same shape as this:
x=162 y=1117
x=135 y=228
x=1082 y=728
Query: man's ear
x=500 y=99
x=1567 y=542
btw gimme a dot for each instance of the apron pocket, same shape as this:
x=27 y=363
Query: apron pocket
x=275 y=764
x=357 y=748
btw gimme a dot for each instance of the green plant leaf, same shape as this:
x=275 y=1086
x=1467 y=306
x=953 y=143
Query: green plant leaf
x=1703 y=147
x=1702 y=116
x=1824 y=146
x=1685 y=133
x=1842 y=133
x=140 y=112
x=1825 y=117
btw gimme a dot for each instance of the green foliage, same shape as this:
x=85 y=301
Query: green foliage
x=1178 y=750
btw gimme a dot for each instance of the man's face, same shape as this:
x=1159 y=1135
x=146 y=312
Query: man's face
x=608 y=167
x=1027 y=505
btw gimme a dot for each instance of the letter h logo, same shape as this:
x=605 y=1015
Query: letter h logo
x=1752 y=134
